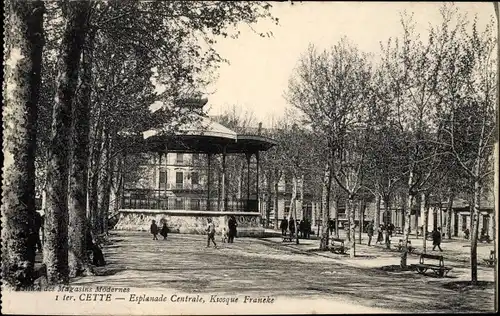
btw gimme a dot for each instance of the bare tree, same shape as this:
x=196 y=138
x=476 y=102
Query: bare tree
x=332 y=89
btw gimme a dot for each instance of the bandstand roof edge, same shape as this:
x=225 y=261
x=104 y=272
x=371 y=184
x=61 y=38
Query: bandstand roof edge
x=203 y=136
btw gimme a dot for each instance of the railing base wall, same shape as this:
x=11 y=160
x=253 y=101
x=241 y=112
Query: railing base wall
x=189 y=222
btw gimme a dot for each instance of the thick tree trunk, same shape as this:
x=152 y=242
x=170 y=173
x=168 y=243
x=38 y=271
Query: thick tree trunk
x=475 y=229
x=77 y=200
x=352 y=224
x=56 y=216
x=106 y=189
x=94 y=178
x=325 y=206
x=449 y=213
x=24 y=39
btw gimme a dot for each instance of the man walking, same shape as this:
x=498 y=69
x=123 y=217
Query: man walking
x=436 y=239
x=284 y=226
x=369 y=231
x=211 y=233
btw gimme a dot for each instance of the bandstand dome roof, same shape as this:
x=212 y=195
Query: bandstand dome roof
x=202 y=135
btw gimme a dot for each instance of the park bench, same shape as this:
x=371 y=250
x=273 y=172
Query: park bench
x=439 y=269
x=288 y=238
x=337 y=245
x=400 y=245
x=491 y=261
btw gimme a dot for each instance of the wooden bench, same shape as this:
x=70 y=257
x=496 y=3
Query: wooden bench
x=400 y=247
x=491 y=261
x=337 y=245
x=439 y=269
x=288 y=238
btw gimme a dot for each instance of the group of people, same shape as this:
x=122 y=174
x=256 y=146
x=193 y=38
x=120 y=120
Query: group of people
x=383 y=230
x=304 y=227
x=227 y=234
x=155 y=230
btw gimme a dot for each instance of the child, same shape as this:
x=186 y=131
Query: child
x=164 y=231
x=154 y=230
x=211 y=233
x=224 y=235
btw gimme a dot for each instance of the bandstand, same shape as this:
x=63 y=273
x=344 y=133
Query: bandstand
x=189 y=214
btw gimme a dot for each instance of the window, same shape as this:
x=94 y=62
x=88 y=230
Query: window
x=179 y=158
x=287 y=208
x=163 y=179
x=179 y=205
x=195 y=204
x=195 y=179
x=179 y=179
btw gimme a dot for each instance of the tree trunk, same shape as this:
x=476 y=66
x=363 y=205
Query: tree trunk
x=276 y=200
x=362 y=208
x=350 y=212
x=107 y=183
x=24 y=38
x=475 y=229
x=325 y=206
x=94 y=178
x=418 y=200
x=56 y=216
x=449 y=213
x=378 y=201
x=77 y=199
x=336 y=218
x=103 y=194
x=406 y=236
x=293 y=205
x=424 y=207
x=387 y=208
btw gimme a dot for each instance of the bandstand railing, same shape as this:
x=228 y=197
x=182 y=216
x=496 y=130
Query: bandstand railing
x=161 y=200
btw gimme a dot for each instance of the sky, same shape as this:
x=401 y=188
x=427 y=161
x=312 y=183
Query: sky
x=259 y=69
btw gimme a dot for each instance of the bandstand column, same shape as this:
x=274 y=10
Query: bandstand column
x=209 y=172
x=159 y=181
x=249 y=157
x=257 y=180
x=166 y=177
x=223 y=184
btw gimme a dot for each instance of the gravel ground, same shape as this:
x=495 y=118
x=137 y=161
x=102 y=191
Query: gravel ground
x=269 y=267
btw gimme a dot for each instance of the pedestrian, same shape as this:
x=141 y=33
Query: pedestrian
x=380 y=235
x=211 y=233
x=390 y=229
x=154 y=229
x=466 y=233
x=307 y=225
x=291 y=227
x=369 y=231
x=284 y=226
x=164 y=230
x=436 y=239
x=38 y=226
x=302 y=228
x=232 y=224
